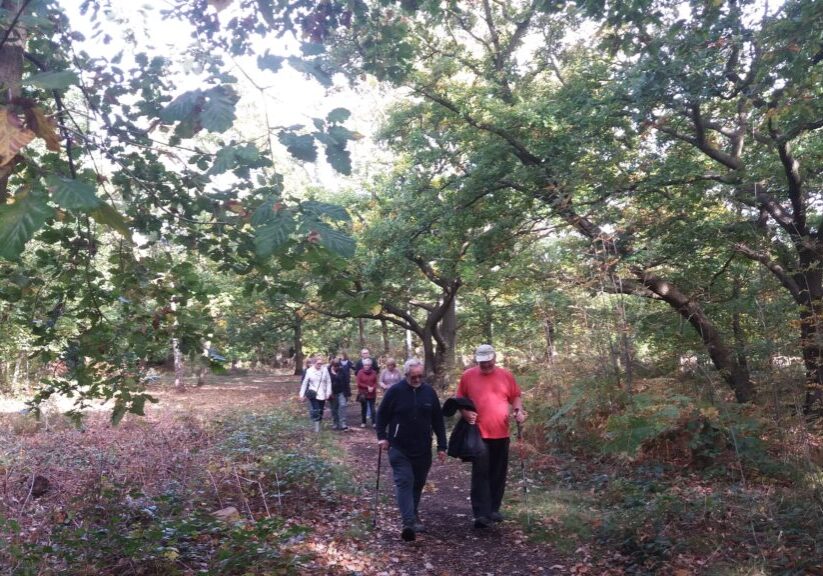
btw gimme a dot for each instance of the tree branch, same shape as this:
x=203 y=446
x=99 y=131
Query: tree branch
x=779 y=272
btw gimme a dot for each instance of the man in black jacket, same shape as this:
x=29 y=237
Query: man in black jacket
x=409 y=412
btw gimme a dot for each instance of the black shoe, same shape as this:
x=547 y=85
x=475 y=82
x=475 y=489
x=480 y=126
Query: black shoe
x=407 y=534
x=482 y=522
x=496 y=517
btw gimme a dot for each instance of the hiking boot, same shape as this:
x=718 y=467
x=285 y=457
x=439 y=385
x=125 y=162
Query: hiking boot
x=407 y=534
x=419 y=527
x=482 y=522
x=496 y=517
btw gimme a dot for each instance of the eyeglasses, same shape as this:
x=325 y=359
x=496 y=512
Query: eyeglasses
x=416 y=377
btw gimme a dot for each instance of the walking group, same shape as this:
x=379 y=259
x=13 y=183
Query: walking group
x=410 y=414
x=332 y=382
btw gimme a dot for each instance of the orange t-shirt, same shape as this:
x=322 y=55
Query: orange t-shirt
x=491 y=394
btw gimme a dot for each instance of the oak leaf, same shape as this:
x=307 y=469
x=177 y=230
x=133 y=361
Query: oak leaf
x=13 y=135
x=43 y=126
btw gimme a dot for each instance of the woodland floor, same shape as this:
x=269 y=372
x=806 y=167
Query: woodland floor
x=176 y=445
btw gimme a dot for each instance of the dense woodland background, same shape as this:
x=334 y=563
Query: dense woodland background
x=624 y=198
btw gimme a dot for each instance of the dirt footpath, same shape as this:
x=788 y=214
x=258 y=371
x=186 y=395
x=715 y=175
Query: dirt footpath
x=450 y=546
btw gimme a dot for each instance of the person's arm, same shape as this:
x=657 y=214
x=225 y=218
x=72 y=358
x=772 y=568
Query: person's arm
x=303 y=385
x=382 y=421
x=439 y=426
x=469 y=416
x=517 y=400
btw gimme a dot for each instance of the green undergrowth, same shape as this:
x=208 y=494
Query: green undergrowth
x=656 y=482
x=266 y=466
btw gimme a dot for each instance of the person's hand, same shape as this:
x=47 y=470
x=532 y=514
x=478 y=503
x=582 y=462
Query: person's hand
x=301 y=398
x=384 y=444
x=441 y=456
x=469 y=416
x=370 y=389
x=520 y=415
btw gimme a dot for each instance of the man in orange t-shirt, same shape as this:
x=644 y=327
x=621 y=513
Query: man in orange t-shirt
x=492 y=390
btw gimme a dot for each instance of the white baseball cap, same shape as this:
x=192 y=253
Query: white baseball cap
x=484 y=353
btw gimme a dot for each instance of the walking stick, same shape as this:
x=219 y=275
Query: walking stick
x=377 y=486
x=523 y=472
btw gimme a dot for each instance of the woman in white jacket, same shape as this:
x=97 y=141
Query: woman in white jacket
x=316 y=387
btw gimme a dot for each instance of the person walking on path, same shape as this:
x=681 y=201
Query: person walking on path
x=340 y=393
x=316 y=388
x=390 y=375
x=365 y=355
x=346 y=366
x=366 y=391
x=408 y=414
x=493 y=390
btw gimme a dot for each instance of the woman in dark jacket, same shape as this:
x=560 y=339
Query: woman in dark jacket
x=340 y=393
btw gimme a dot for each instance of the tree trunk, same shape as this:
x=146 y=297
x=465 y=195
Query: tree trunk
x=548 y=331
x=361 y=333
x=810 y=302
x=409 y=344
x=488 y=320
x=179 y=376
x=298 y=344
x=384 y=330
x=448 y=331
x=433 y=376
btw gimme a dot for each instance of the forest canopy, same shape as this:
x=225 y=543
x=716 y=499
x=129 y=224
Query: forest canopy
x=634 y=181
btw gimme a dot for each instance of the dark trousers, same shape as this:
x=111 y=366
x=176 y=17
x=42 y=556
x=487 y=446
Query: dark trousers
x=489 y=477
x=409 y=478
x=367 y=409
x=316 y=409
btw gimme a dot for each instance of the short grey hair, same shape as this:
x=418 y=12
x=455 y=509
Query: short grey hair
x=411 y=363
x=367 y=361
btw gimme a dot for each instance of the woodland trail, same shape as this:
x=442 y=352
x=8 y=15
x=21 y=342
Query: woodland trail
x=450 y=545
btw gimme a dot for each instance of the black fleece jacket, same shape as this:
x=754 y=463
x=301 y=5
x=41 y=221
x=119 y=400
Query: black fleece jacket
x=407 y=416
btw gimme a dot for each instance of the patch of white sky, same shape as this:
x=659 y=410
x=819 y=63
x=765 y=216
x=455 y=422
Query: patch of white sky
x=267 y=99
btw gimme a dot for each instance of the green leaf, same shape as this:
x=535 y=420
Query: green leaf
x=339 y=158
x=266 y=8
x=118 y=412
x=74 y=195
x=224 y=161
x=218 y=112
x=274 y=234
x=52 y=80
x=333 y=211
x=270 y=62
x=110 y=217
x=312 y=69
x=19 y=221
x=335 y=241
x=138 y=405
x=338 y=116
x=340 y=134
x=182 y=107
x=301 y=147
x=312 y=48
x=265 y=212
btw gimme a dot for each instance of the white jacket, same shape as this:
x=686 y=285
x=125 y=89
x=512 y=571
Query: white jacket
x=317 y=380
